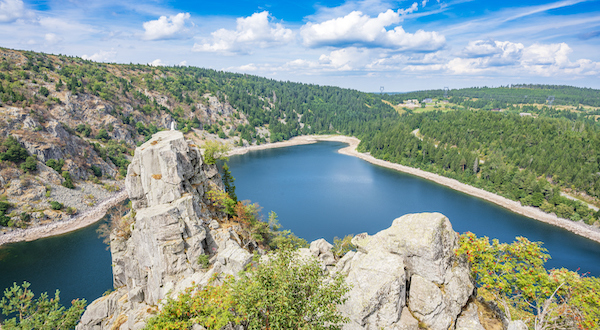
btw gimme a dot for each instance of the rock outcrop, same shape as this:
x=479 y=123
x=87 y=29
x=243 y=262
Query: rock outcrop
x=158 y=254
x=404 y=277
x=407 y=275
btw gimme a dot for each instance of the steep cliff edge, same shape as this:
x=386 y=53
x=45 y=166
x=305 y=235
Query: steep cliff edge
x=173 y=225
x=404 y=277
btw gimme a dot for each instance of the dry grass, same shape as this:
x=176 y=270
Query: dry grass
x=157 y=176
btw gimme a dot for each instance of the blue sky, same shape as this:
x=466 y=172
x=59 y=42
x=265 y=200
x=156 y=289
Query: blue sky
x=401 y=45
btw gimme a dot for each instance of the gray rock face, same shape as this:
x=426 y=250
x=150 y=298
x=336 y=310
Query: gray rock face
x=166 y=182
x=413 y=258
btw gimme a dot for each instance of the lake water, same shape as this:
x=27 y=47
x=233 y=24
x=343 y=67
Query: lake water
x=316 y=193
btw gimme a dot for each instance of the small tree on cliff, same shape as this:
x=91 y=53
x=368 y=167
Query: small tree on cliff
x=228 y=180
x=41 y=313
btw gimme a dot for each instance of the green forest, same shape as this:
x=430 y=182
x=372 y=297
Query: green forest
x=531 y=158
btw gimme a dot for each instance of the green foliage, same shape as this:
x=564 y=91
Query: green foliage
x=97 y=171
x=11 y=150
x=514 y=275
x=68 y=183
x=71 y=210
x=44 y=91
x=287 y=292
x=56 y=205
x=102 y=135
x=84 y=129
x=210 y=306
x=40 y=313
x=56 y=164
x=280 y=292
x=203 y=260
x=518 y=154
x=281 y=238
x=342 y=246
x=228 y=180
x=213 y=151
x=29 y=165
x=4 y=206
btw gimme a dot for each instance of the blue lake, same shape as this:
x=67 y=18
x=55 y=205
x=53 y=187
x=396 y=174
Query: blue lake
x=316 y=193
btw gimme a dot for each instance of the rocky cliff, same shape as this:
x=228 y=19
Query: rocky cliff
x=404 y=277
x=157 y=253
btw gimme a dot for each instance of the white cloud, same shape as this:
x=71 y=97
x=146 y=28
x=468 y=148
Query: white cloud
x=11 y=10
x=345 y=59
x=171 y=27
x=410 y=10
x=101 y=56
x=157 y=62
x=255 y=30
x=423 y=3
x=52 y=38
x=358 y=29
x=508 y=57
x=183 y=63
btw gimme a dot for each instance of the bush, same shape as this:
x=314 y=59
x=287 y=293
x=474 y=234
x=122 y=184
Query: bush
x=30 y=164
x=56 y=164
x=97 y=171
x=203 y=261
x=68 y=183
x=71 y=210
x=342 y=246
x=56 y=205
x=282 y=292
x=44 y=91
x=14 y=152
x=41 y=313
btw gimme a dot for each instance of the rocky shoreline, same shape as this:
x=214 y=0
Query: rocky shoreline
x=96 y=213
x=79 y=221
x=578 y=228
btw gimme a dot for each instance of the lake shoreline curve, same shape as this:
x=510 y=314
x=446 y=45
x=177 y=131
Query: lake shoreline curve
x=577 y=228
x=79 y=221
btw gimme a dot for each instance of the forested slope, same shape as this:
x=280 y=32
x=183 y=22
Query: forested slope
x=91 y=115
x=521 y=157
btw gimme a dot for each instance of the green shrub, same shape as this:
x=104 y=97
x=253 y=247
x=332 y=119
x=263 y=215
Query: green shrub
x=68 y=183
x=342 y=246
x=30 y=164
x=41 y=313
x=56 y=205
x=56 y=164
x=71 y=210
x=14 y=151
x=203 y=261
x=97 y=171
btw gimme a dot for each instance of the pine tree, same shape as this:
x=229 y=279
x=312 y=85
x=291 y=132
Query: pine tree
x=228 y=182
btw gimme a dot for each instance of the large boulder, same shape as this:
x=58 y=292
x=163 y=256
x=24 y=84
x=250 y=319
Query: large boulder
x=406 y=272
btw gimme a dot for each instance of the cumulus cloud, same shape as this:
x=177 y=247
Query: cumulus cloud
x=101 y=56
x=11 y=10
x=539 y=59
x=171 y=27
x=361 y=30
x=345 y=59
x=256 y=30
x=52 y=38
x=157 y=62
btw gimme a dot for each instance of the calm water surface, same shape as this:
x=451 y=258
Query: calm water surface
x=77 y=263
x=317 y=193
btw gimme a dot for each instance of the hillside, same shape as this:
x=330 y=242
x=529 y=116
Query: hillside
x=81 y=120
